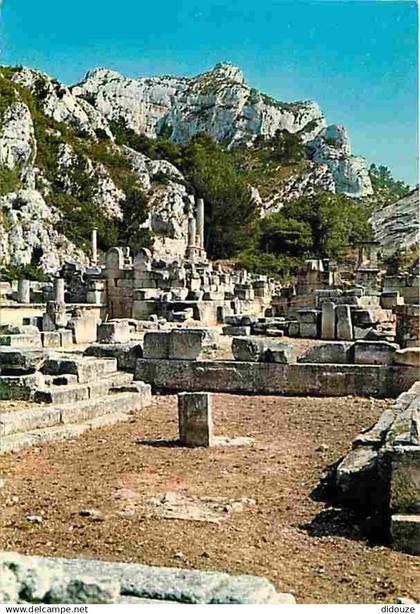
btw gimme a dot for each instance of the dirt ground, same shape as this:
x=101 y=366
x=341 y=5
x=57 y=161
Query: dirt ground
x=317 y=553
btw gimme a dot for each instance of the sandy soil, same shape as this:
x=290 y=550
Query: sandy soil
x=317 y=553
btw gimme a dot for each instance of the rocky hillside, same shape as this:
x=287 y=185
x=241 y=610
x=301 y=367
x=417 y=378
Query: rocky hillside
x=63 y=172
x=221 y=104
x=397 y=224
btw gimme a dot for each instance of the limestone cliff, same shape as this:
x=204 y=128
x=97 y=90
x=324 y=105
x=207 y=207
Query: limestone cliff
x=396 y=226
x=220 y=103
x=62 y=170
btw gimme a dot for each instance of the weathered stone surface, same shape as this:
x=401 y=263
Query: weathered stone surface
x=51 y=339
x=248 y=349
x=335 y=353
x=9 y=587
x=281 y=353
x=408 y=356
x=405 y=480
x=236 y=331
x=195 y=419
x=270 y=378
x=186 y=344
x=405 y=532
x=328 y=320
x=344 y=327
x=20 y=386
x=156 y=344
x=28 y=419
x=84 y=589
x=308 y=331
x=357 y=477
x=53 y=580
x=374 y=352
x=126 y=354
x=114 y=332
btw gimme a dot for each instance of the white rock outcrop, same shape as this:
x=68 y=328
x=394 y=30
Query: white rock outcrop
x=396 y=226
x=28 y=230
x=17 y=139
x=332 y=147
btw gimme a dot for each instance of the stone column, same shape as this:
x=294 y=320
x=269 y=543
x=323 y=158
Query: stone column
x=94 y=258
x=24 y=291
x=328 y=320
x=344 y=323
x=200 y=222
x=59 y=290
x=195 y=420
x=191 y=232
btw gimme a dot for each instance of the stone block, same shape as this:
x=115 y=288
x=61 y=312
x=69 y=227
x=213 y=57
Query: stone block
x=21 y=360
x=294 y=329
x=195 y=419
x=308 y=316
x=156 y=344
x=405 y=533
x=237 y=331
x=281 y=353
x=344 y=327
x=66 y=338
x=374 y=352
x=405 y=480
x=126 y=354
x=248 y=349
x=84 y=329
x=330 y=353
x=362 y=333
x=328 y=320
x=408 y=356
x=186 y=344
x=51 y=339
x=308 y=331
x=117 y=331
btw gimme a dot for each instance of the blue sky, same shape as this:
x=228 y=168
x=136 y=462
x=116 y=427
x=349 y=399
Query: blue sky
x=356 y=58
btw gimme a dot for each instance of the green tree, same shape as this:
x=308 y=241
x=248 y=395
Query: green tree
x=230 y=211
x=387 y=189
x=282 y=235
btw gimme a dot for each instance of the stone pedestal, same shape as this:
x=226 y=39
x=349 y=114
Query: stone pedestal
x=195 y=419
x=328 y=321
x=344 y=323
x=24 y=291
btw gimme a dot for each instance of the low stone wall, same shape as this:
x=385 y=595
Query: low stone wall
x=35 y=579
x=380 y=477
x=274 y=378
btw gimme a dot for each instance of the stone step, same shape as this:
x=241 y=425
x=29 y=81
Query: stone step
x=48 y=424
x=79 y=392
x=22 y=340
x=87 y=369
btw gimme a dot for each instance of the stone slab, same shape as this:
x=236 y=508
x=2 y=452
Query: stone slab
x=270 y=378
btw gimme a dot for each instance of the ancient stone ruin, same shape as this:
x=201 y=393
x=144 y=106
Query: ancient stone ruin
x=90 y=348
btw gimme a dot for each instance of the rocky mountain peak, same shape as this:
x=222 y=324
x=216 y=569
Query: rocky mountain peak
x=227 y=70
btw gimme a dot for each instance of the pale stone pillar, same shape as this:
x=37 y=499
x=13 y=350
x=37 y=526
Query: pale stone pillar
x=59 y=290
x=191 y=232
x=195 y=419
x=200 y=222
x=344 y=323
x=94 y=258
x=328 y=320
x=24 y=291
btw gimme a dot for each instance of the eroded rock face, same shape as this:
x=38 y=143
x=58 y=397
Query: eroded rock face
x=397 y=225
x=17 y=140
x=332 y=147
x=218 y=102
x=28 y=228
